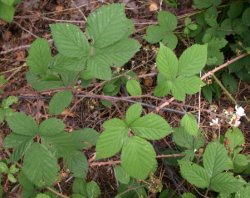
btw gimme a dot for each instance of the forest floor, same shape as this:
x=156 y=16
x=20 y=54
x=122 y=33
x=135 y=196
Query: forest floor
x=32 y=21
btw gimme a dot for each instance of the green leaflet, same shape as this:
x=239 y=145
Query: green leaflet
x=167 y=62
x=85 y=189
x=113 y=25
x=184 y=139
x=40 y=166
x=226 y=183
x=192 y=60
x=59 y=102
x=151 y=127
x=86 y=138
x=7 y=10
x=133 y=87
x=22 y=124
x=215 y=159
x=111 y=140
x=206 y=4
x=133 y=113
x=189 y=123
x=163 y=31
x=69 y=40
x=77 y=163
x=194 y=173
x=138 y=157
x=51 y=127
x=179 y=76
x=235 y=137
x=39 y=56
x=121 y=175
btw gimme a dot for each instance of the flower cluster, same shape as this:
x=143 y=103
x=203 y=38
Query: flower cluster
x=232 y=117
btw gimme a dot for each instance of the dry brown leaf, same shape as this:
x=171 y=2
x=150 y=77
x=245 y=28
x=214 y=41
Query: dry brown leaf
x=59 y=8
x=153 y=6
x=66 y=112
x=20 y=55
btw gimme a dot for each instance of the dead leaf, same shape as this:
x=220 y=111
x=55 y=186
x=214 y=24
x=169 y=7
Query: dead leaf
x=20 y=55
x=153 y=6
x=59 y=8
x=148 y=81
x=66 y=112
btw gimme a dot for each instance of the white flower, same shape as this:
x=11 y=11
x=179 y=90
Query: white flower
x=239 y=111
x=236 y=123
x=215 y=122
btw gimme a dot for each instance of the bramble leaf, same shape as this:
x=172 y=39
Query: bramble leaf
x=22 y=124
x=215 y=159
x=133 y=87
x=235 y=137
x=40 y=166
x=192 y=60
x=194 y=174
x=189 y=123
x=51 y=127
x=69 y=40
x=163 y=31
x=133 y=113
x=151 y=126
x=59 y=102
x=138 y=157
x=77 y=163
x=107 y=25
x=111 y=140
x=226 y=183
x=39 y=56
x=121 y=175
x=167 y=63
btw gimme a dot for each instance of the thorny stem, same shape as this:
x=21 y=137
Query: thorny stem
x=110 y=163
